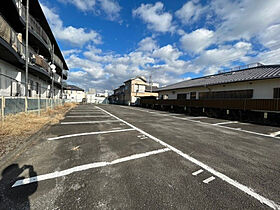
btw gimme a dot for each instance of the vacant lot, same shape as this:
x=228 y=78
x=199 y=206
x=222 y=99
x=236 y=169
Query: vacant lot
x=117 y=157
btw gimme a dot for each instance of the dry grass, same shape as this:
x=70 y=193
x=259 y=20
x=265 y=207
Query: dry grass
x=26 y=124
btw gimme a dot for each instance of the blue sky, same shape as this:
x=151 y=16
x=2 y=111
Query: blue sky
x=106 y=42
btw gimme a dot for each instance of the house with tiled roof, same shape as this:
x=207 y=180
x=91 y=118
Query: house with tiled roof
x=74 y=94
x=254 y=81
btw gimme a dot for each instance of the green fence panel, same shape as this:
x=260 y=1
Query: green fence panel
x=14 y=105
x=32 y=104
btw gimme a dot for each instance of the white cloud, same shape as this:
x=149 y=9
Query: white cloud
x=197 y=40
x=75 y=36
x=147 y=44
x=155 y=17
x=270 y=37
x=212 y=60
x=107 y=71
x=245 y=19
x=190 y=12
x=268 y=57
x=83 y=5
x=167 y=53
x=110 y=7
x=71 y=51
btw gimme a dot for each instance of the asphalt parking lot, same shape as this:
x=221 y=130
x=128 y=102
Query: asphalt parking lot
x=119 y=157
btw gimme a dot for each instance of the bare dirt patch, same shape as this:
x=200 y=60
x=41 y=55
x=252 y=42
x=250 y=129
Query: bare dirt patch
x=16 y=128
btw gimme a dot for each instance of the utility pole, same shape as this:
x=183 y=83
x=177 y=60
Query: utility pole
x=62 y=84
x=151 y=83
x=53 y=69
x=26 y=47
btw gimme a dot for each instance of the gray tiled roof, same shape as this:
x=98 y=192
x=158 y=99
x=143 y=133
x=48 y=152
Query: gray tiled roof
x=73 y=87
x=256 y=73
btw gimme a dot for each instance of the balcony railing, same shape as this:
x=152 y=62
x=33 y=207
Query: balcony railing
x=57 y=61
x=15 y=41
x=11 y=37
x=33 y=24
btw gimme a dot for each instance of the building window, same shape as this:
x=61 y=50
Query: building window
x=276 y=93
x=182 y=96
x=234 y=94
x=193 y=95
x=139 y=88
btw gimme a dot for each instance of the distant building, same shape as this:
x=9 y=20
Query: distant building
x=91 y=91
x=96 y=98
x=74 y=94
x=43 y=52
x=132 y=90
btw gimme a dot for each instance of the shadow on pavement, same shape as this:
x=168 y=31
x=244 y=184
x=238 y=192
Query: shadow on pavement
x=16 y=197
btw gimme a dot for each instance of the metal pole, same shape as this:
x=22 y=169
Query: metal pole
x=3 y=109
x=26 y=47
x=52 y=70
x=62 y=84
x=52 y=92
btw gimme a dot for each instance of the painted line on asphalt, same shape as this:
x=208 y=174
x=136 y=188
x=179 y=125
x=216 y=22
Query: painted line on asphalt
x=90 y=133
x=88 y=122
x=222 y=176
x=274 y=134
x=86 y=167
x=198 y=117
x=84 y=110
x=220 y=126
x=210 y=179
x=80 y=113
x=197 y=172
x=88 y=116
x=224 y=123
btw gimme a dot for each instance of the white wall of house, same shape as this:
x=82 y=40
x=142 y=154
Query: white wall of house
x=74 y=96
x=95 y=98
x=262 y=89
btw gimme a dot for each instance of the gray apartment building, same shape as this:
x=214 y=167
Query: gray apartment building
x=44 y=54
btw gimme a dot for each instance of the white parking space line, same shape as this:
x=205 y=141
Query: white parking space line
x=172 y=114
x=85 y=110
x=88 y=116
x=222 y=176
x=198 y=117
x=86 y=167
x=85 y=113
x=210 y=179
x=224 y=123
x=197 y=172
x=220 y=126
x=90 y=133
x=88 y=122
x=275 y=134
